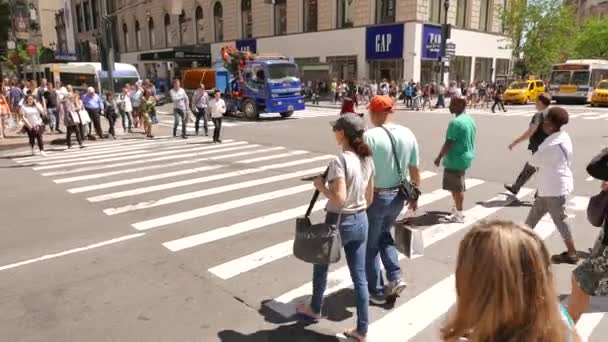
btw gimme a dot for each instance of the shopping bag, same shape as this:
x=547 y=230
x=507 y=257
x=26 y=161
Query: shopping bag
x=597 y=209
x=75 y=118
x=189 y=117
x=84 y=117
x=409 y=240
x=317 y=243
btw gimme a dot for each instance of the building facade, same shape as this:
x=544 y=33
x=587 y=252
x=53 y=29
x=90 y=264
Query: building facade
x=587 y=8
x=347 y=39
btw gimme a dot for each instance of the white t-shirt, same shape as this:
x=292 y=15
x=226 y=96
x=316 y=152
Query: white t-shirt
x=179 y=98
x=32 y=114
x=217 y=108
x=358 y=173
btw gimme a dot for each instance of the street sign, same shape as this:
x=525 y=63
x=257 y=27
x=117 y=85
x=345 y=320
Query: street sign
x=450 y=53
x=31 y=50
x=450 y=46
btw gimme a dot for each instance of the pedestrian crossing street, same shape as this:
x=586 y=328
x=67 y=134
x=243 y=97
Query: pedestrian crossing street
x=230 y=209
x=576 y=112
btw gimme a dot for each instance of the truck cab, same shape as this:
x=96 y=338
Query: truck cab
x=271 y=85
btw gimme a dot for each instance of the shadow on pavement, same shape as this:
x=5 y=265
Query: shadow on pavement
x=295 y=332
x=429 y=218
x=503 y=203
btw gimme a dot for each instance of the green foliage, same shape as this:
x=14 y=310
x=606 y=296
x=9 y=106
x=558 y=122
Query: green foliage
x=541 y=32
x=15 y=59
x=592 y=39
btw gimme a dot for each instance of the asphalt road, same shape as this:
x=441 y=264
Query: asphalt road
x=183 y=240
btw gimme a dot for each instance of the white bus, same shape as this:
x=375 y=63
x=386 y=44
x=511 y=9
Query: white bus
x=83 y=75
x=575 y=80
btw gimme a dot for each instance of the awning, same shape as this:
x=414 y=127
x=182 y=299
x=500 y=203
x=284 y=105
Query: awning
x=200 y=54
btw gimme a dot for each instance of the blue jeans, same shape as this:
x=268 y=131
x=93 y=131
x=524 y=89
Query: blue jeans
x=353 y=231
x=382 y=215
x=178 y=115
x=127 y=120
x=54 y=123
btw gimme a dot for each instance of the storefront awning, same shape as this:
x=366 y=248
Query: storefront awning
x=201 y=54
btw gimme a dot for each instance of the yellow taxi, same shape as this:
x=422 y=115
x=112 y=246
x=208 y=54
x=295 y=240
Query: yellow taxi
x=523 y=91
x=600 y=94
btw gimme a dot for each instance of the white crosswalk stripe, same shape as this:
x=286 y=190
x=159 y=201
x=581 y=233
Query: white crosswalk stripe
x=195 y=193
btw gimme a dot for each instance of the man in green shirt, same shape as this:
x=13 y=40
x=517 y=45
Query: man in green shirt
x=457 y=153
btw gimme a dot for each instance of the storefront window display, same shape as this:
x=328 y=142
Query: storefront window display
x=460 y=68
x=483 y=69
x=343 y=67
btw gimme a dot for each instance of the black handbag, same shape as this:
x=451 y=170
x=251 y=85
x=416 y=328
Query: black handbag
x=597 y=209
x=407 y=188
x=317 y=243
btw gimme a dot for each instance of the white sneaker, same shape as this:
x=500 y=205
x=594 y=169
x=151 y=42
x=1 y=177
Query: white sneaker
x=394 y=288
x=42 y=153
x=457 y=217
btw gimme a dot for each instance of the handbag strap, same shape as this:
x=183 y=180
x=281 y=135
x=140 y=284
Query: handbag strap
x=396 y=158
x=315 y=196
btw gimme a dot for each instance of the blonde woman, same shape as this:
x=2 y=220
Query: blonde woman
x=505 y=289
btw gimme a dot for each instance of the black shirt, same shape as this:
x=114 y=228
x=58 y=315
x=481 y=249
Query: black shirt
x=51 y=99
x=539 y=136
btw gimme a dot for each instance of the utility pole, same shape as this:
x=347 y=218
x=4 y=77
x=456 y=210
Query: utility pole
x=107 y=43
x=445 y=32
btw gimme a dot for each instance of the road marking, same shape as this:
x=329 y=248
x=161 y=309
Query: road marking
x=239 y=228
x=71 y=251
x=416 y=314
x=173 y=185
x=213 y=209
x=340 y=278
x=589 y=179
x=212 y=191
x=119 y=158
x=587 y=323
x=578 y=203
x=256 y=223
x=212 y=149
x=154 y=167
x=249 y=262
x=142 y=179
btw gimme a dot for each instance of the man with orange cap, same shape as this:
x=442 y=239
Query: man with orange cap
x=395 y=154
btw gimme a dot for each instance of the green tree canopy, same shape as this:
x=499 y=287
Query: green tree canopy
x=592 y=39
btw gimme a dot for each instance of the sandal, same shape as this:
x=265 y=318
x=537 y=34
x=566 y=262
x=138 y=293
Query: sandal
x=303 y=313
x=564 y=258
x=354 y=335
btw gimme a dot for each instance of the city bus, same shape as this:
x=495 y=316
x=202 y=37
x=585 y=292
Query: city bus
x=83 y=75
x=575 y=80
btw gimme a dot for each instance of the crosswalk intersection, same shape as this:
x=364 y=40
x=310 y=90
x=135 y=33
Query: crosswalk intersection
x=235 y=203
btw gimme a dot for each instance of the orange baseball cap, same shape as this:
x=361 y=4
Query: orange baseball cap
x=380 y=104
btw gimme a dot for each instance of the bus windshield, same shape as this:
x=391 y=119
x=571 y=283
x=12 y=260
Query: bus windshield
x=560 y=77
x=78 y=80
x=518 y=85
x=119 y=83
x=580 y=78
x=282 y=72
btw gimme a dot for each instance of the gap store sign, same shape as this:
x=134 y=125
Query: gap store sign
x=431 y=42
x=384 y=42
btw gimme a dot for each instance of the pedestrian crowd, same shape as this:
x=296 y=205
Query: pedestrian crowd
x=39 y=108
x=415 y=96
x=504 y=280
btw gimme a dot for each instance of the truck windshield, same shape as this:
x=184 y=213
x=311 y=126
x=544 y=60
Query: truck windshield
x=282 y=72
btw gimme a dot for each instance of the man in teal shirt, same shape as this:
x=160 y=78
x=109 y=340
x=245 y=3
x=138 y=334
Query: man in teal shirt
x=457 y=153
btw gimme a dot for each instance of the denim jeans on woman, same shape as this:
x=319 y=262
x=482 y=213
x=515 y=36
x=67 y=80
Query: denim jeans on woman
x=382 y=215
x=178 y=115
x=353 y=231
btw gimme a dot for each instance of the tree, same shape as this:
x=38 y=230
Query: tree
x=591 y=41
x=541 y=33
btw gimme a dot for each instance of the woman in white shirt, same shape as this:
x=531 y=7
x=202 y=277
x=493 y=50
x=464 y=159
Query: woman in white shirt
x=555 y=180
x=126 y=109
x=32 y=117
x=217 y=109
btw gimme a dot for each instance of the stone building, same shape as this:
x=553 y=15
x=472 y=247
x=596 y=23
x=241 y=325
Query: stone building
x=365 y=39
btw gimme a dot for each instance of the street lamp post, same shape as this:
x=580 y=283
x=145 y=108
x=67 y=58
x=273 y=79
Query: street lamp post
x=444 y=37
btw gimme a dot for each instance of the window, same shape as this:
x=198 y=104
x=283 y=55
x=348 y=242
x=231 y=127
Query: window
x=483 y=69
x=151 y=34
x=485 y=15
x=345 y=13
x=125 y=32
x=182 y=27
x=540 y=84
x=79 y=17
x=218 y=22
x=87 y=16
x=436 y=11
x=280 y=17
x=460 y=68
x=167 y=28
x=310 y=15
x=137 y=35
x=502 y=68
x=462 y=11
x=198 y=25
x=95 y=14
x=385 y=11
x=246 y=19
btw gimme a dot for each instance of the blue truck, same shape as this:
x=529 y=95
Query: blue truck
x=266 y=85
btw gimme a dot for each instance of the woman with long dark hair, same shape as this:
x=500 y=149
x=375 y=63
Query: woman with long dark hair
x=350 y=192
x=32 y=112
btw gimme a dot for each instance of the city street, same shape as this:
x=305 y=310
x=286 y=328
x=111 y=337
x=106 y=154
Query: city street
x=185 y=240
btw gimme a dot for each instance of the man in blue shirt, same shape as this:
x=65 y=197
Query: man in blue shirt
x=93 y=104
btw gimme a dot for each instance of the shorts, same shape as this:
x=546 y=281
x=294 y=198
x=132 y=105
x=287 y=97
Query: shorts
x=453 y=180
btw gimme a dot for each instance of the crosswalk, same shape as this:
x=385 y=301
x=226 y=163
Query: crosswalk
x=235 y=203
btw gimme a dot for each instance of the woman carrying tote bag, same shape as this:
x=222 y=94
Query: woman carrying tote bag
x=350 y=192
